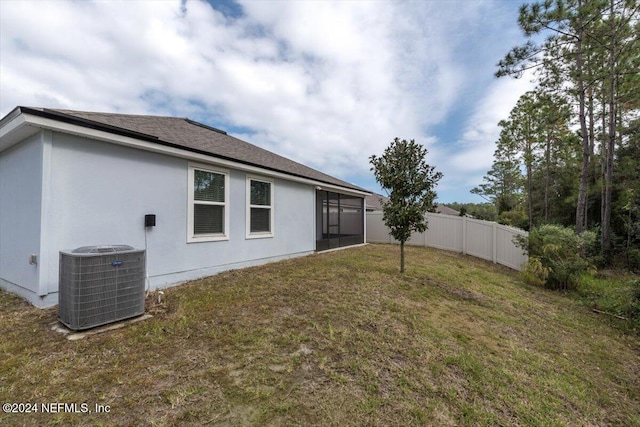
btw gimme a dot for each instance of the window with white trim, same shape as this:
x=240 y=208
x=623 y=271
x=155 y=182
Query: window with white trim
x=259 y=207
x=208 y=210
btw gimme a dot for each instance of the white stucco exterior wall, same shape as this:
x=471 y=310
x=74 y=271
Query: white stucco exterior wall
x=98 y=193
x=20 y=215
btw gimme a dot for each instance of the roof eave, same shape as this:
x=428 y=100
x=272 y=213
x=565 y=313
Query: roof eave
x=15 y=127
x=31 y=120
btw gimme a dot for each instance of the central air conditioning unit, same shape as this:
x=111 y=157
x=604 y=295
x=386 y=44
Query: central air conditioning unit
x=100 y=285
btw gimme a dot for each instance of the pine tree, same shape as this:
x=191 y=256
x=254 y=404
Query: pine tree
x=590 y=57
x=567 y=22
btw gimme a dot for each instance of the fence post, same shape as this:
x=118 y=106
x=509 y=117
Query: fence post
x=464 y=235
x=424 y=235
x=495 y=243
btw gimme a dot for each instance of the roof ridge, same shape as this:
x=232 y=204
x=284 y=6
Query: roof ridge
x=195 y=123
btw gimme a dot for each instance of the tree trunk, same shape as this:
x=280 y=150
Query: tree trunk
x=604 y=146
x=608 y=184
x=401 y=257
x=547 y=177
x=593 y=171
x=529 y=195
x=584 y=175
x=528 y=160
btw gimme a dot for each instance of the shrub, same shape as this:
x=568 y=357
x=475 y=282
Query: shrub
x=535 y=273
x=634 y=305
x=557 y=256
x=633 y=259
x=515 y=218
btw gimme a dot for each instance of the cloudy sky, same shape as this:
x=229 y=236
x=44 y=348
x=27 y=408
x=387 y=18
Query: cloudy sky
x=323 y=83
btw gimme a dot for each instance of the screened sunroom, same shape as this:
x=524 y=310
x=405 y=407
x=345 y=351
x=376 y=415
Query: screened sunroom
x=339 y=220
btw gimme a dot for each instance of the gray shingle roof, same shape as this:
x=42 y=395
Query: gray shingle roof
x=375 y=201
x=192 y=136
x=446 y=210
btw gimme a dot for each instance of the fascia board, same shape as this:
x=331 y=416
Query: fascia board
x=15 y=131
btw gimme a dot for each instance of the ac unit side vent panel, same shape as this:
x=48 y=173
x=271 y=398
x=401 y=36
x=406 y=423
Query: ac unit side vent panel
x=100 y=287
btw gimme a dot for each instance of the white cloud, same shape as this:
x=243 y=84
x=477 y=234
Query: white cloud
x=482 y=130
x=324 y=83
x=474 y=154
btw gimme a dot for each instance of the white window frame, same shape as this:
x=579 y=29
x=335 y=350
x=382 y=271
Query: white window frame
x=191 y=236
x=262 y=234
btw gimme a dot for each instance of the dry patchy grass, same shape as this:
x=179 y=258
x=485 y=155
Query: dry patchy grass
x=337 y=338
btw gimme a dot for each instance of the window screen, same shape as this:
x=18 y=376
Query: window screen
x=339 y=220
x=208 y=219
x=260 y=220
x=260 y=208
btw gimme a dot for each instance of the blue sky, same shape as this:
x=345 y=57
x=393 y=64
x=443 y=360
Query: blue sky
x=323 y=83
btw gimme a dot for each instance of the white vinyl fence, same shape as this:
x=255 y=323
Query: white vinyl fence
x=482 y=239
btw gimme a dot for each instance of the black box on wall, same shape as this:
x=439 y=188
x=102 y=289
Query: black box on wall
x=150 y=220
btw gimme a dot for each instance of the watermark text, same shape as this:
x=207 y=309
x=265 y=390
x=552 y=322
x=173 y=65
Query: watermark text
x=54 y=408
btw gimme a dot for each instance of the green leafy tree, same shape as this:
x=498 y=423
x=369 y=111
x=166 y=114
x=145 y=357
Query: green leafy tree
x=403 y=172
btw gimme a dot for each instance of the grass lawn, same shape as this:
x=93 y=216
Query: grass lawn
x=338 y=338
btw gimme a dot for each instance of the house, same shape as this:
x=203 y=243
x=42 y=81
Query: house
x=375 y=201
x=73 y=178
x=446 y=210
